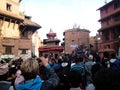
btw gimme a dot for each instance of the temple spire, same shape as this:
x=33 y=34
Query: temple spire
x=51 y=34
x=51 y=31
x=105 y=1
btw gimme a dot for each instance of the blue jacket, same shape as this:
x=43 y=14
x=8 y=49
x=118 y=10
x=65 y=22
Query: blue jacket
x=34 y=84
x=38 y=84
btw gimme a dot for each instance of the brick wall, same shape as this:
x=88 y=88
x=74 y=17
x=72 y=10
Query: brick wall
x=75 y=37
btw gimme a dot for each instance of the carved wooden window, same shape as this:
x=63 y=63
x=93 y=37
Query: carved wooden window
x=23 y=51
x=8 y=7
x=8 y=49
x=107 y=46
x=106 y=35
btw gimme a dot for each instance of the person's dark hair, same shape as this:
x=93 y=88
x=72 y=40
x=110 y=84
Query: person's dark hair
x=106 y=54
x=12 y=70
x=2 y=61
x=107 y=79
x=75 y=78
x=95 y=68
x=38 y=59
x=112 y=55
x=4 y=77
x=98 y=59
x=78 y=58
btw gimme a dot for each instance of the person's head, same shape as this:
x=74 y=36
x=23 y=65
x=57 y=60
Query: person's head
x=4 y=71
x=78 y=58
x=107 y=79
x=95 y=68
x=97 y=59
x=112 y=56
x=30 y=68
x=75 y=78
x=2 y=61
x=106 y=54
x=90 y=57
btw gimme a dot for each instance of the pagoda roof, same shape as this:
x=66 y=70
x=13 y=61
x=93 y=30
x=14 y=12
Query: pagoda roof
x=51 y=40
x=11 y=15
x=51 y=33
x=51 y=48
x=28 y=22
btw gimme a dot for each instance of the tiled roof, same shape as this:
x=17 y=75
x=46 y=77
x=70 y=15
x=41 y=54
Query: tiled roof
x=107 y=4
x=11 y=15
x=14 y=16
x=50 y=40
x=31 y=23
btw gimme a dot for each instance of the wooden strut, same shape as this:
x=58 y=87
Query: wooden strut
x=1 y=25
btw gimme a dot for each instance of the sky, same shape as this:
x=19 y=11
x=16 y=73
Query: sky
x=60 y=15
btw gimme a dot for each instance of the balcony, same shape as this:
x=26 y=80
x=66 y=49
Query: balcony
x=109 y=26
x=110 y=14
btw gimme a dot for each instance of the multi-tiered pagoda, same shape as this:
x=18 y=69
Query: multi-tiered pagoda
x=51 y=46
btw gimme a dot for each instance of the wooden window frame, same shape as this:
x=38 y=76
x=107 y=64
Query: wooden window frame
x=24 y=51
x=8 y=49
x=8 y=7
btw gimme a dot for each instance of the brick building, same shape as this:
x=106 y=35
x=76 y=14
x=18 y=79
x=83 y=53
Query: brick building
x=110 y=27
x=16 y=30
x=75 y=37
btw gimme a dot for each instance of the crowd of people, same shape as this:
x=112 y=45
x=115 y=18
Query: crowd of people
x=75 y=71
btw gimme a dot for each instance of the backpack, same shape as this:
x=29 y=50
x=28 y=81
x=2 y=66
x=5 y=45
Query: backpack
x=115 y=65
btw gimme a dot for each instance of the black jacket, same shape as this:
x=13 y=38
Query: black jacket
x=51 y=82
